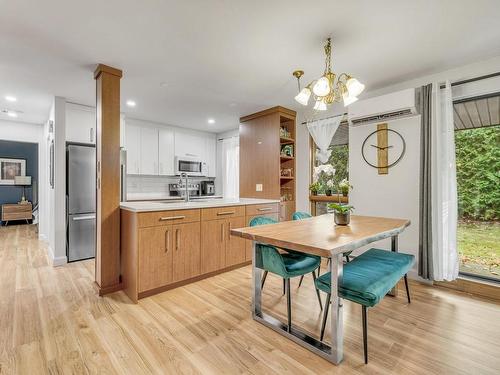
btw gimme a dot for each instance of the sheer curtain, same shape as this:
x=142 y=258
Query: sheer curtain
x=322 y=132
x=231 y=167
x=444 y=186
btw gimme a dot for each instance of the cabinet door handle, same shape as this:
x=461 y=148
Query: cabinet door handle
x=171 y=218
x=91 y=135
x=265 y=209
x=167 y=240
x=177 y=239
x=226 y=213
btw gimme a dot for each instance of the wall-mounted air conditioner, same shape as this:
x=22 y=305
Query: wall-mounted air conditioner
x=383 y=108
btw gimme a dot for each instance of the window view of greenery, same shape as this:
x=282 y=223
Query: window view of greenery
x=339 y=160
x=478 y=184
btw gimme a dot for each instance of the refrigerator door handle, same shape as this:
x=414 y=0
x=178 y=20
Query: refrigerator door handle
x=89 y=217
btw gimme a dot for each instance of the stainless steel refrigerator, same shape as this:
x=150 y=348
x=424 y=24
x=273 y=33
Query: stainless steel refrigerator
x=81 y=201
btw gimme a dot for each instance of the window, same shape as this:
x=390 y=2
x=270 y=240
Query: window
x=339 y=159
x=477 y=146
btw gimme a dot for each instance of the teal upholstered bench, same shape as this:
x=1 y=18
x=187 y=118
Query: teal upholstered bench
x=366 y=280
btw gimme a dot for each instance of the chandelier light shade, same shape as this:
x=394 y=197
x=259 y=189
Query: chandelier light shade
x=328 y=89
x=303 y=96
x=320 y=105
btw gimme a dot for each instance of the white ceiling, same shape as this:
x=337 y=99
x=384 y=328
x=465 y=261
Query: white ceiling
x=227 y=58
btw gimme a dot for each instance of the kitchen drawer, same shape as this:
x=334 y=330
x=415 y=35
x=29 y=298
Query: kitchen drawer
x=262 y=209
x=222 y=212
x=151 y=219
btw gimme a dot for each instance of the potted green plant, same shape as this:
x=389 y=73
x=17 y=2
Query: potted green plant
x=314 y=188
x=330 y=184
x=344 y=187
x=341 y=212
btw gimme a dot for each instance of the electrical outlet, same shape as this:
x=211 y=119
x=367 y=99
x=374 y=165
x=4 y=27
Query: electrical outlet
x=258 y=187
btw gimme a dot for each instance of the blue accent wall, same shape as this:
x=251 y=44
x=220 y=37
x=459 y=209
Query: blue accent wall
x=19 y=150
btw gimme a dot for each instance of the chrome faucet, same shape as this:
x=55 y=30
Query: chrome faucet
x=186 y=186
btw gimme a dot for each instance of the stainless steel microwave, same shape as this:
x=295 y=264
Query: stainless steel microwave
x=191 y=166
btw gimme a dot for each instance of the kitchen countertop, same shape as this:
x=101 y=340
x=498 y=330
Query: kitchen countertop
x=148 y=206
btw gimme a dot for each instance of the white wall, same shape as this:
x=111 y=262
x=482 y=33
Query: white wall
x=33 y=133
x=56 y=196
x=395 y=194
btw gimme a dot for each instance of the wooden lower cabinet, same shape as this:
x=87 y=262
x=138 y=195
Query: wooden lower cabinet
x=186 y=251
x=235 y=246
x=213 y=250
x=155 y=257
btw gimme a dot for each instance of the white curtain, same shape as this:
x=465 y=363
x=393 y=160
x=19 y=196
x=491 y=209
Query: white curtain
x=231 y=167
x=322 y=132
x=444 y=186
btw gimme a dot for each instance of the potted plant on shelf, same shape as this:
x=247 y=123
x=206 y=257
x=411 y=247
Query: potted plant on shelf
x=330 y=184
x=314 y=188
x=341 y=213
x=344 y=187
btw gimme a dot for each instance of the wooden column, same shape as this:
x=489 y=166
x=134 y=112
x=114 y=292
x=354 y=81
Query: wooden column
x=107 y=260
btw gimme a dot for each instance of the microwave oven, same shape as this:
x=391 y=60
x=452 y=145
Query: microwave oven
x=191 y=166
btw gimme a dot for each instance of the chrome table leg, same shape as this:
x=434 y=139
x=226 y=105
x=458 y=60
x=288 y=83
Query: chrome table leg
x=332 y=353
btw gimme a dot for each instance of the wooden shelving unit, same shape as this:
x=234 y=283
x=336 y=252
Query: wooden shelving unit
x=262 y=137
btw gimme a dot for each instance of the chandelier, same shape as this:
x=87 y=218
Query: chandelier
x=328 y=88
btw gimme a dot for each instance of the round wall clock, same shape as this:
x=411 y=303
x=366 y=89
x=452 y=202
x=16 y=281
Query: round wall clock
x=383 y=148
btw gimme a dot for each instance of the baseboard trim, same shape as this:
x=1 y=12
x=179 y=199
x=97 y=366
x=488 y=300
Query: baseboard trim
x=474 y=287
x=108 y=289
x=59 y=261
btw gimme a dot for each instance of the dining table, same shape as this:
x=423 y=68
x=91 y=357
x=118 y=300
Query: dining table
x=318 y=235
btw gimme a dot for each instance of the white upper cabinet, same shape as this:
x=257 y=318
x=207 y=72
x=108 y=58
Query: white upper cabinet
x=210 y=155
x=133 y=148
x=80 y=123
x=189 y=144
x=152 y=150
x=166 y=151
x=149 y=151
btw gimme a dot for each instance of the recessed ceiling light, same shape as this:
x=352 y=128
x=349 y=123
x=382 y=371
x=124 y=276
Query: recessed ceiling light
x=11 y=98
x=12 y=114
x=211 y=121
x=130 y=103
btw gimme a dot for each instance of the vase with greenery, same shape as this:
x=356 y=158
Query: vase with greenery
x=329 y=185
x=341 y=213
x=314 y=188
x=344 y=187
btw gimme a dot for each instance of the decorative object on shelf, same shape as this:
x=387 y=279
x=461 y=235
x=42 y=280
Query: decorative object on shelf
x=287 y=150
x=376 y=146
x=23 y=181
x=10 y=168
x=284 y=133
x=328 y=88
x=314 y=188
x=287 y=172
x=344 y=187
x=341 y=213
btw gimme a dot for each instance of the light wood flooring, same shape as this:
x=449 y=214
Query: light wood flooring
x=52 y=322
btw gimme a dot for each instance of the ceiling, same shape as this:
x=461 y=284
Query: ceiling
x=223 y=59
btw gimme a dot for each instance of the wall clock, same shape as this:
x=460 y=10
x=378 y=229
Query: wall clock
x=383 y=148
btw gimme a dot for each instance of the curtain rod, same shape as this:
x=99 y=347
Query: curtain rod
x=458 y=83
x=326 y=118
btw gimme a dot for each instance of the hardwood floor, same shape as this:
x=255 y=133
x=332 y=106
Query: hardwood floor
x=53 y=322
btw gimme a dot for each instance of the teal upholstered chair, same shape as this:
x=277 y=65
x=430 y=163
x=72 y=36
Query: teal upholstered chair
x=299 y=215
x=287 y=265
x=366 y=280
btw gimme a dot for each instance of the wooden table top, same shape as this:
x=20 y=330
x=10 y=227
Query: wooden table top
x=320 y=236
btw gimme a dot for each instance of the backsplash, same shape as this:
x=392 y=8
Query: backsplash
x=156 y=184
